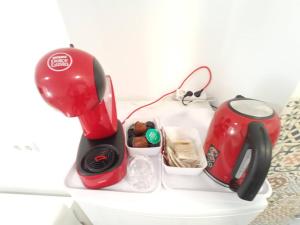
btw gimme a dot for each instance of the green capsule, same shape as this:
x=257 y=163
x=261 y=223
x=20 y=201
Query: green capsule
x=153 y=136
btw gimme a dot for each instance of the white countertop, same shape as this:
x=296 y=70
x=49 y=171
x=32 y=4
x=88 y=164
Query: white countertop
x=43 y=170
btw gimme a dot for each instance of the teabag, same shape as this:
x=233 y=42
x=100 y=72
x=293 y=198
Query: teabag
x=182 y=153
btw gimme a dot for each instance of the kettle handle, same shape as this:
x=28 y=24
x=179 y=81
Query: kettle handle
x=259 y=144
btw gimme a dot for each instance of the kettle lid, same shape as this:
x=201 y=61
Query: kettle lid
x=251 y=107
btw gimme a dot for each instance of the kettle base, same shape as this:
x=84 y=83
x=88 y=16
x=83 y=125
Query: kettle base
x=215 y=179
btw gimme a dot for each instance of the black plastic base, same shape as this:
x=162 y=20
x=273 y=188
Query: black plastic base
x=114 y=142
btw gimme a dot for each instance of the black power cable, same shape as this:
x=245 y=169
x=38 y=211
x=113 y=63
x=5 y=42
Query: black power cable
x=187 y=94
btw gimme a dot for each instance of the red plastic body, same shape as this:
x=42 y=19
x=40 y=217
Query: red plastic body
x=71 y=89
x=227 y=133
x=69 y=81
x=101 y=121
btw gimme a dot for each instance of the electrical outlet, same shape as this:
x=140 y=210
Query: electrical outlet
x=180 y=94
x=29 y=147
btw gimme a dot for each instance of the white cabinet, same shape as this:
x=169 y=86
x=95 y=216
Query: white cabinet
x=35 y=210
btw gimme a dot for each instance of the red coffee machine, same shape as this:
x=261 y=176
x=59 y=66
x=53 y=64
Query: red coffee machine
x=74 y=82
x=238 y=145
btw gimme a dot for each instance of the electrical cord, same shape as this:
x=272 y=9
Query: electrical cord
x=172 y=92
x=213 y=106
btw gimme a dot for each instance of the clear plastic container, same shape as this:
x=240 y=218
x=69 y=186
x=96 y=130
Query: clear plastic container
x=141 y=175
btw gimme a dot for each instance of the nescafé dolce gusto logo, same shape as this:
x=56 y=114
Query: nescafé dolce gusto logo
x=59 y=61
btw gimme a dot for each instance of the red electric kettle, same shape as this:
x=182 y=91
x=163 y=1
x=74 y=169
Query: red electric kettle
x=239 y=143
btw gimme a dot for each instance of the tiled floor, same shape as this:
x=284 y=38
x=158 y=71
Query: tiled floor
x=284 y=174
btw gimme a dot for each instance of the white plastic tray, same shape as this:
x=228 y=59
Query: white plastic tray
x=73 y=181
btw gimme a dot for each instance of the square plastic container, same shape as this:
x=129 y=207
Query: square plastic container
x=150 y=151
x=174 y=133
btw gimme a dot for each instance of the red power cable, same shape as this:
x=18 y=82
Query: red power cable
x=171 y=92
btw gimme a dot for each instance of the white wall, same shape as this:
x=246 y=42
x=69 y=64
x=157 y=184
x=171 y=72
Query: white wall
x=29 y=29
x=149 y=46
x=253 y=48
